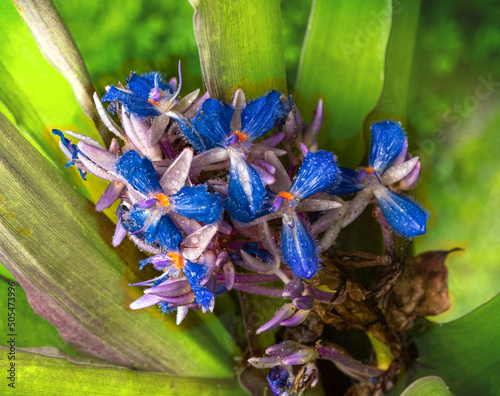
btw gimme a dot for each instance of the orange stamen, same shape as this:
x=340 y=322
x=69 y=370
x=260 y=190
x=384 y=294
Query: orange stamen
x=152 y=101
x=369 y=169
x=177 y=259
x=241 y=136
x=164 y=200
x=285 y=195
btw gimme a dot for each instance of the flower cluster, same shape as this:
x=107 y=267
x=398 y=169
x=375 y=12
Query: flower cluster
x=201 y=188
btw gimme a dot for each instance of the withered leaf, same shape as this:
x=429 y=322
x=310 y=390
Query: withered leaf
x=421 y=290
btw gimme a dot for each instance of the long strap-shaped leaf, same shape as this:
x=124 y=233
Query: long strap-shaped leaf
x=59 y=48
x=393 y=102
x=36 y=374
x=58 y=249
x=342 y=62
x=241 y=45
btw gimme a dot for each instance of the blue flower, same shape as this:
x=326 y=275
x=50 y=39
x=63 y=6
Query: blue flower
x=194 y=273
x=174 y=264
x=278 y=380
x=386 y=166
x=71 y=151
x=146 y=95
x=317 y=173
x=149 y=217
x=218 y=124
x=299 y=248
x=234 y=128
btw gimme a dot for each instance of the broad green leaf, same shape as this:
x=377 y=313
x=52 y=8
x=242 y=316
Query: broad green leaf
x=59 y=48
x=36 y=98
x=240 y=45
x=58 y=249
x=37 y=374
x=393 y=102
x=427 y=386
x=32 y=330
x=342 y=62
x=465 y=353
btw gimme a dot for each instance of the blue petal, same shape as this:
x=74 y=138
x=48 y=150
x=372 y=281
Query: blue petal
x=197 y=203
x=132 y=103
x=194 y=273
x=199 y=142
x=168 y=236
x=264 y=255
x=136 y=219
x=139 y=86
x=204 y=297
x=387 y=142
x=405 y=216
x=150 y=79
x=245 y=187
x=213 y=122
x=72 y=148
x=165 y=308
x=242 y=213
x=349 y=182
x=299 y=249
x=259 y=116
x=278 y=378
x=318 y=172
x=139 y=172
x=160 y=230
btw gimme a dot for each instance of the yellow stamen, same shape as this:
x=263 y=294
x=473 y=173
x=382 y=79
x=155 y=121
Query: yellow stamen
x=177 y=259
x=285 y=195
x=369 y=169
x=153 y=102
x=164 y=200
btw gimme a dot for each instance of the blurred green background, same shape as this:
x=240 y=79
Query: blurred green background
x=453 y=108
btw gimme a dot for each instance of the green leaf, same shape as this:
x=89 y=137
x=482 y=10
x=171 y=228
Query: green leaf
x=465 y=353
x=41 y=375
x=427 y=386
x=36 y=98
x=59 y=48
x=393 y=102
x=241 y=45
x=32 y=330
x=342 y=62
x=58 y=249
